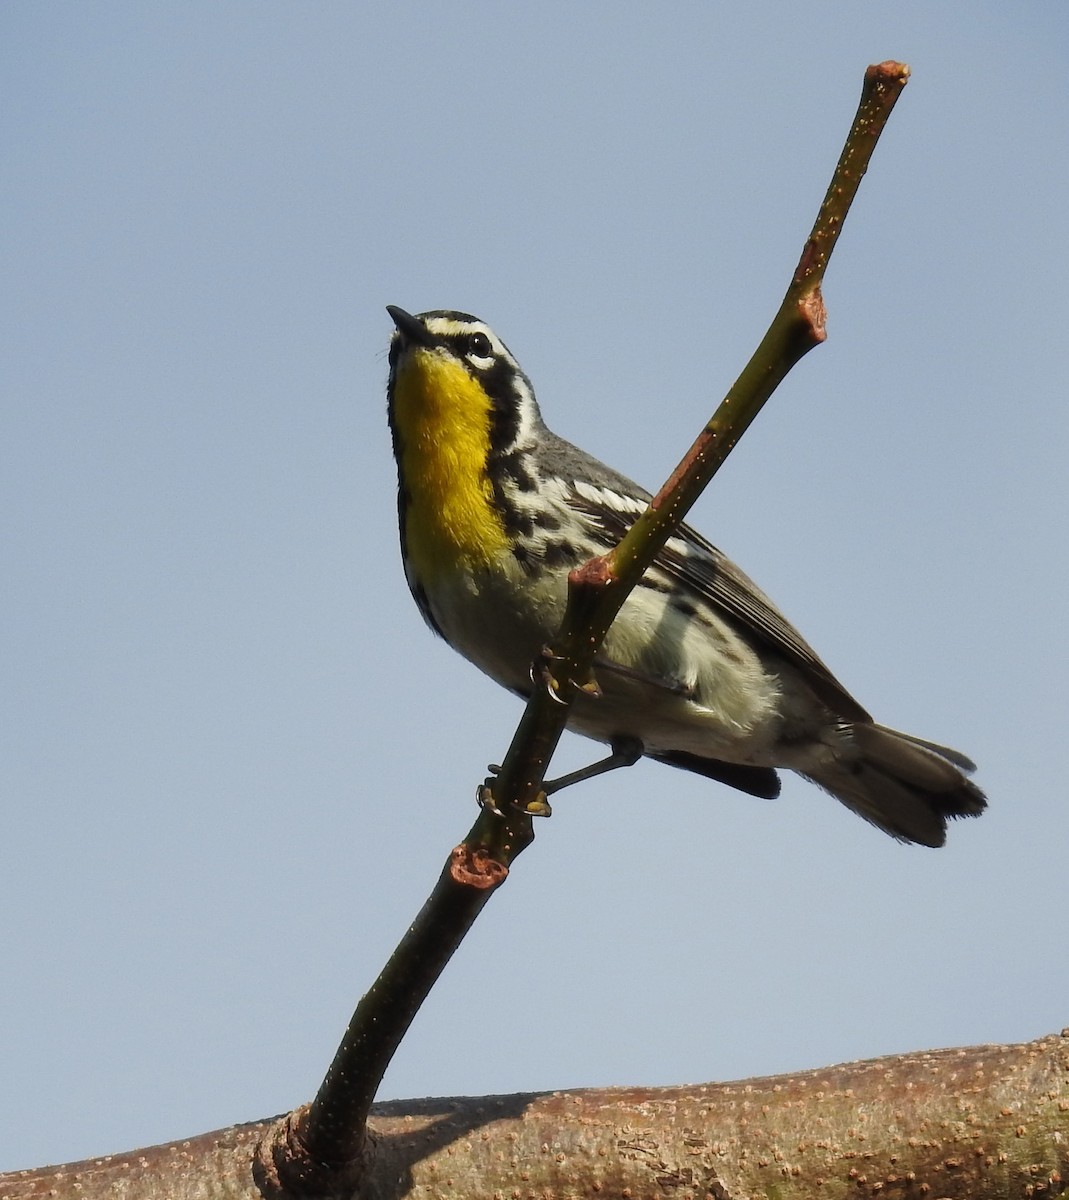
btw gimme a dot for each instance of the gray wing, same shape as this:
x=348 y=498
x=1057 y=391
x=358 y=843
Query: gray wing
x=691 y=560
x=718 y=580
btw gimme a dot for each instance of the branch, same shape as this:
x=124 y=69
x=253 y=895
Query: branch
x=324 y=1148
x=981 y=1123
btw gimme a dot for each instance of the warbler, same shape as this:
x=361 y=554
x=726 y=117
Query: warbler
x=699 y=670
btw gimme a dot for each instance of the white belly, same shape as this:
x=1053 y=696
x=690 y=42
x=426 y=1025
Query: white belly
x=672 y=680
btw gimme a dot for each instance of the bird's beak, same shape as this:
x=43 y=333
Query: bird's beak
x=410 y=328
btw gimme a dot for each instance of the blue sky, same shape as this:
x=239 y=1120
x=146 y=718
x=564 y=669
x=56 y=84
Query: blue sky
x=233 y=758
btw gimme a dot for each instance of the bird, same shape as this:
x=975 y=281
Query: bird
x=699 y=669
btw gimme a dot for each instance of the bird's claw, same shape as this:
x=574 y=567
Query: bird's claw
x=484 y=795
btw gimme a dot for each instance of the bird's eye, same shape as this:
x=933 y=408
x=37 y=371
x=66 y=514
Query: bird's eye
x=479 y=346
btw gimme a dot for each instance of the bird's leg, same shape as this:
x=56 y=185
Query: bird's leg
x=625 y=752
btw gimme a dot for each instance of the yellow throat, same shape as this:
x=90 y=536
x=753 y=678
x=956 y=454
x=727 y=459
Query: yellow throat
x=442 y=417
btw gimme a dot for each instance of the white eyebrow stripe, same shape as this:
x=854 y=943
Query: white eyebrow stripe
x=446 y=327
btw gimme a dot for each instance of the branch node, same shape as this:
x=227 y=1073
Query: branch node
x=283 y=1167
x=596 y=573
x=473 y=866
x=888 y=72
x=811 y=307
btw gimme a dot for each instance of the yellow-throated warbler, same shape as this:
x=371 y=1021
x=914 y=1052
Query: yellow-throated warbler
x=699 y=669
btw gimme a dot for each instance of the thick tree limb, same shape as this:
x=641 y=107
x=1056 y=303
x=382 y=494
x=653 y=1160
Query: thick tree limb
x=979 y=1123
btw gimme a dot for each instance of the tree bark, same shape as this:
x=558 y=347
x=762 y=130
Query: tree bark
x=976 y=1123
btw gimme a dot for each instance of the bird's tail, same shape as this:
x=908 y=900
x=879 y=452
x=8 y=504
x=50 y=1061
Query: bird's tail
x=906 y=786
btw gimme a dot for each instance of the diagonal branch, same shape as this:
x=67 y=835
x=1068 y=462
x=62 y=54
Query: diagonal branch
x=325 y=1147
